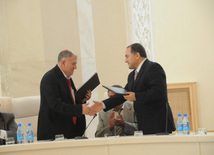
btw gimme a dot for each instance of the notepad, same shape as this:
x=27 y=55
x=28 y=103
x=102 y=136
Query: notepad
x=116 y=90
x=91 y=84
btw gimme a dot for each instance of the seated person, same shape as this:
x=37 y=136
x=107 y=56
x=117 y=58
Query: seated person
x=124 y=123
x=8 y=127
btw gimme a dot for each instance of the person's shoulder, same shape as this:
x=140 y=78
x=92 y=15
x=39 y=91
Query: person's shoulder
x=51 y=73
x=7 y=115
x=128 y=105
x=152 y=64
x=104 y=113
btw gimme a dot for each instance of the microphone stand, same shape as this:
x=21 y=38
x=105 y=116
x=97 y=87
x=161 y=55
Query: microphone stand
x=83 y=137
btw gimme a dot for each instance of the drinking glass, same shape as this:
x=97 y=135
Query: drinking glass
x=59 y=137
x=10 y=140
x=202 y=131
x=138 y=133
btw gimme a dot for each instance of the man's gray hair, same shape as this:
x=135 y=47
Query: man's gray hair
x=65 y=54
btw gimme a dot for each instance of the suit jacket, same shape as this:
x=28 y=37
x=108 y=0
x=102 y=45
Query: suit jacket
x=128 y=116
x=8 y=124
x=151 y=105
x=57 y=108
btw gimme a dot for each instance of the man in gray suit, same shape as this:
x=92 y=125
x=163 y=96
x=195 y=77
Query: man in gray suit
x=118 y=121
x=8 y=126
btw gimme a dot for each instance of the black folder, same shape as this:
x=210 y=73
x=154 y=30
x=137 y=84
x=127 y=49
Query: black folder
x=92 y=83
x=116 y=90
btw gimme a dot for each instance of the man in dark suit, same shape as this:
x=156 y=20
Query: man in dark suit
x=60 y=112
x=147 y=88
x=8 y=127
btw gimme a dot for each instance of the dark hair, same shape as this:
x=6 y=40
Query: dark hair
x=64 y=54
x=137 y=47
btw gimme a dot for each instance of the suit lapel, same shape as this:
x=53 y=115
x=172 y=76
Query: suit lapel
x=140 y=74
x=127 y=113
x=73 y=86
x=63 y=80
x=132 y=80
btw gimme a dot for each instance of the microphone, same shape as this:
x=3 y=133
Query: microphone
x=95 y=115
x=83 y=137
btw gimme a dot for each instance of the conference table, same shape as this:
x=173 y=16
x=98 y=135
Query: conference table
x=130 y=145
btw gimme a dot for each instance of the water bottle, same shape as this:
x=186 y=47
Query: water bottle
x=20 y=135
x=185 y=125
x=30 y=137
x=179 y=125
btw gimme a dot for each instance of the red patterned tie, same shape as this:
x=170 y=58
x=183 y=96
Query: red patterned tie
x=135 y=75
x=69 y=84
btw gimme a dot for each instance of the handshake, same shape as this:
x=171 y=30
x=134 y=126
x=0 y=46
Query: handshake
x=95 y=108
x=98 y=106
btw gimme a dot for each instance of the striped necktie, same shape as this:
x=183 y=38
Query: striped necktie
x=69 y=84
x=135 y=75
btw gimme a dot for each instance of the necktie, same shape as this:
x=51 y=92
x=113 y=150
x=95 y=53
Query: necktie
x=119 y=131
x=69 y=84
x=135 y=75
